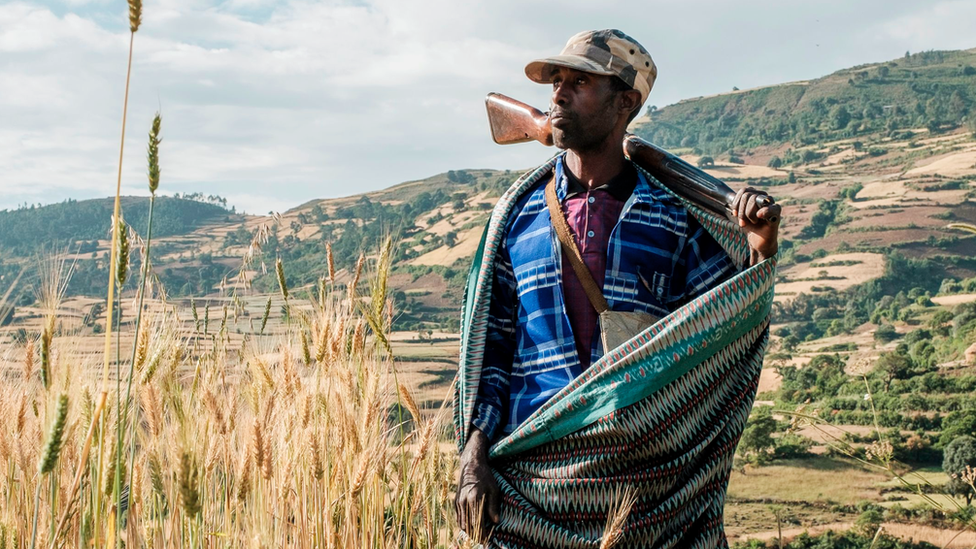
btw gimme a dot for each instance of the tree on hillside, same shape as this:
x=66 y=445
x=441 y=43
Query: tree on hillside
x=892 y=366
x=821 y=378
x=757 y=438
x=706 y=162
x=840 y=117
x=957 y=424
x=885 y=333
x=959 y=455
x=450 y=239
x=941 y=322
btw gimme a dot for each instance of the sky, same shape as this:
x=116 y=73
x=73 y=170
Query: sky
x=273 y=103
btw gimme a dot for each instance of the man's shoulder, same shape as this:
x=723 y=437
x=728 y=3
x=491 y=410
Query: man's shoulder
x=656 y=193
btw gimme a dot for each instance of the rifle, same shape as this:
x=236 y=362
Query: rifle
x=512 y=121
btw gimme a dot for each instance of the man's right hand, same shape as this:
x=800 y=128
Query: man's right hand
x=478 y=500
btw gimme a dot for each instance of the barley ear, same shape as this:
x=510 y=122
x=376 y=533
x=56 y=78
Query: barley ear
x=189 y=478
x=196 y=315
x=29 y=360
x=280 y=273
x=122 y=262
x=306 y=351
x=410 y=403
x=153 y=153
x=267 y=312
x=331 y=262
x=135 y=14
x=52 y=448
x=46 y=338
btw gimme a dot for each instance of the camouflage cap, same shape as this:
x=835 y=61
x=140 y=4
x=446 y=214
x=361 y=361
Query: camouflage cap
x=607 y=52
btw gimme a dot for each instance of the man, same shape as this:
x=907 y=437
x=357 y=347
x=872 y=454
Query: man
x=644 y=251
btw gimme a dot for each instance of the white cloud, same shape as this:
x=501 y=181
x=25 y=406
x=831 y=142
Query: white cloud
x=272 y=103
x=949 y=25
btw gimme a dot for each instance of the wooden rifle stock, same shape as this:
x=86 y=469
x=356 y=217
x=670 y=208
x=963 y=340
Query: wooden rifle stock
x=512 y=121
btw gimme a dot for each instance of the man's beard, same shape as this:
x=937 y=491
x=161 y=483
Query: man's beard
x=575 y=134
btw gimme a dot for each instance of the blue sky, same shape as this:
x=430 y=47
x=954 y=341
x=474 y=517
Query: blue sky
x=272 y=103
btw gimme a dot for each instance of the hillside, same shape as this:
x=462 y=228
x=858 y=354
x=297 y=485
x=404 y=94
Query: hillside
x=888 y=180
x=933 y=90
x=72 y=223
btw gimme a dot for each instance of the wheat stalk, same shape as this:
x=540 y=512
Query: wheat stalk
x=135 y=18
x=624 y=500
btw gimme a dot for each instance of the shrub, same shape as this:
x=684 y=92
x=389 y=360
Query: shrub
x=958 y=424
x=885 y=333
x=959 y=455
x=706 y=162
x=757 y=439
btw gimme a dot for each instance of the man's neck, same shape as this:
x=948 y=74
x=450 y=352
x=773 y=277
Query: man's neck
x=596 y=167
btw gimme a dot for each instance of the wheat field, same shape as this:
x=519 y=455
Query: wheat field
x=302 y=438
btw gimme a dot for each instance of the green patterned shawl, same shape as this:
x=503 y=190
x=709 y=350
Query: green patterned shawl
x=659 y=416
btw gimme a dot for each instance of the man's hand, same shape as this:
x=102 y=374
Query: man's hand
x=760 y=224
x=478 y=500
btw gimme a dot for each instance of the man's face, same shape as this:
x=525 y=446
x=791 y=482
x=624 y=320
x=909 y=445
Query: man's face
x=584 y=110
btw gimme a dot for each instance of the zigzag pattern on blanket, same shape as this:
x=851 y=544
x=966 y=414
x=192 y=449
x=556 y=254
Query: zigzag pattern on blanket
x=660 y=415
x=559 y=494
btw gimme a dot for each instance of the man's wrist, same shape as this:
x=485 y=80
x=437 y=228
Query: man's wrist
x=478 y=443
x=756 y=257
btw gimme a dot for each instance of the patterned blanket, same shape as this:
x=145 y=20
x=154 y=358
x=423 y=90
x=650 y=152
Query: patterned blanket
x=658 y=417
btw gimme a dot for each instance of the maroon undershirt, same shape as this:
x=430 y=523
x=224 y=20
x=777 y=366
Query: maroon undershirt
x=591 y=216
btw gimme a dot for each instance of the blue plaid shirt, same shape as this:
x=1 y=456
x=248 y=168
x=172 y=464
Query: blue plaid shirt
x=659 y=257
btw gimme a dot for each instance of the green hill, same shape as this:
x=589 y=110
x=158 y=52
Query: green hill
x=933 y=89
x=72 y=224
x=81 y=229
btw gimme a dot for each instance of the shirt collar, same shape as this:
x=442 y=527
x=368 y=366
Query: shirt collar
x=629 y=182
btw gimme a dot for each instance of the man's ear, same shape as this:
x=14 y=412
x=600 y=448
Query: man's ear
x=629 y=100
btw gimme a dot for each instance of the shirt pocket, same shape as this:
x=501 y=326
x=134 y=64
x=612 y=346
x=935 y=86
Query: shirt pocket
x=656 y=283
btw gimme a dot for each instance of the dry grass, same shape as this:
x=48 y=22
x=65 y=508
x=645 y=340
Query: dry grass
x=953 y=300
x=466 y=245
x=803 y=277
x=816 y=479
x=957 y=164
x=947 y=539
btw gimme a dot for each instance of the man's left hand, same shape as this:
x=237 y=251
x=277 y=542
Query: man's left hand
x=761 y=224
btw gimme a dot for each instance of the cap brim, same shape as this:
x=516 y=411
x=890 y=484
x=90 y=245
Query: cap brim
x=541 y=69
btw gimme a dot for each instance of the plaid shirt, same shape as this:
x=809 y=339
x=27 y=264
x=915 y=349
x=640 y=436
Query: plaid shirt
x=658 y=257
x=591 y=215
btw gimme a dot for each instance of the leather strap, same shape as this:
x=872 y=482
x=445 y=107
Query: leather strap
x=593 y=292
